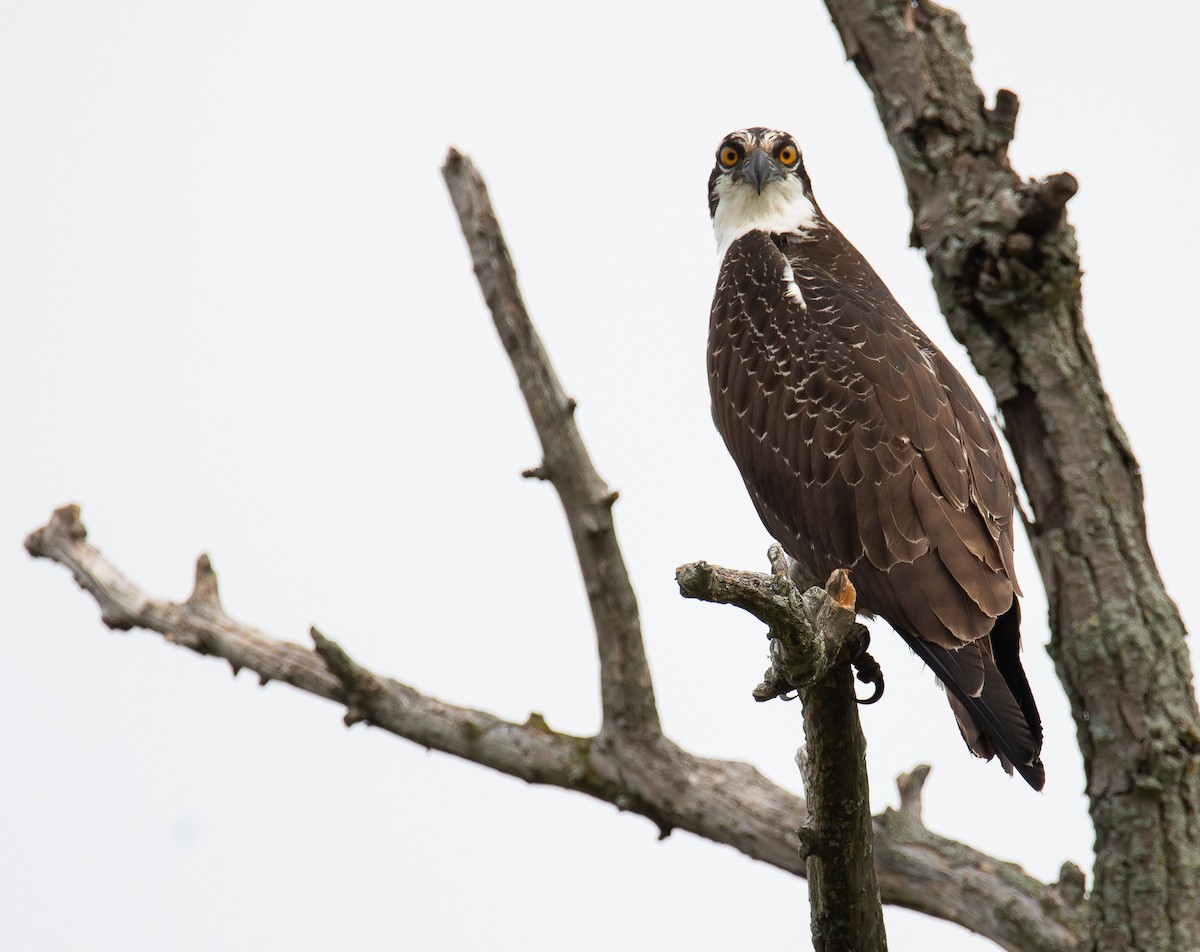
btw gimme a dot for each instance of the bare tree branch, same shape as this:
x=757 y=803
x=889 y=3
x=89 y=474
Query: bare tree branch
x=726 y=802
x=627 y=693
x=811 y=636
x=1008 y=279
x=803 y=646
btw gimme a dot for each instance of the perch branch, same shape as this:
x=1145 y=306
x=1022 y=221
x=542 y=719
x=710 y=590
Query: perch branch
x=811 y=638
x=626 y=691
x=802 y=652
x=798 y=657
x=726 y=802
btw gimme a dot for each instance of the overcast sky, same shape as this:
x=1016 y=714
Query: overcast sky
x=240 y=318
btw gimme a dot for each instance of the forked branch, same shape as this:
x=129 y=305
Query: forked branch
x=722 y=801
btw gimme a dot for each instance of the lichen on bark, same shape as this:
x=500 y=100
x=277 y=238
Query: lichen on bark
x=1006 y=270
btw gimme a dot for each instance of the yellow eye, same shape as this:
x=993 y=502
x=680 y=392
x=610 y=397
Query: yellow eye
x=788 y=155
x=730 y=156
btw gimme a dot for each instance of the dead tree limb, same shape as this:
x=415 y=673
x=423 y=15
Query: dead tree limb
x=723 y=801
x=1008 y=279
x=626 y=691
x=812 y=638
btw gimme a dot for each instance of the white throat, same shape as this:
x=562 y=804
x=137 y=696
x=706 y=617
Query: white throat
x=782 y=206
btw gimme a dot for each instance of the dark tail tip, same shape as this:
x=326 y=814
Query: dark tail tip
x=1004 y=711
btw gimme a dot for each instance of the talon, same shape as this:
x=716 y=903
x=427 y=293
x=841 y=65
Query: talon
x=875 y=695
x=867 y=670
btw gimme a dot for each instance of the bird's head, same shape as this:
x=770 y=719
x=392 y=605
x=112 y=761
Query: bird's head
x=759 y=182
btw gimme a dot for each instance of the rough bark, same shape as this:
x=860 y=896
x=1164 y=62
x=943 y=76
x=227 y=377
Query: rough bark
x=846 y=915
x=811 y=640
x=1007 y=275
x=723 y=801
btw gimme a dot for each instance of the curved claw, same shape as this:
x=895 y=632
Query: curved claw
x=875 y=695
x=867 y=670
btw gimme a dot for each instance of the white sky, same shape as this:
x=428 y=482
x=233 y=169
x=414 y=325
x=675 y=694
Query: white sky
x=239 y=318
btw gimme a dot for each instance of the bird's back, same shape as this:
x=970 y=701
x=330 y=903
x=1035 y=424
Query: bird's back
x=863 y=448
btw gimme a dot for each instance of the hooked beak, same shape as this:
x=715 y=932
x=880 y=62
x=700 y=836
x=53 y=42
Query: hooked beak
x=758 y=169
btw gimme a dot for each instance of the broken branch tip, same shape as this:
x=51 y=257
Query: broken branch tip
x=205 y=590
x=910 y=786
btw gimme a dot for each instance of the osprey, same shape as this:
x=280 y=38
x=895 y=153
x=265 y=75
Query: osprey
x=861 y=445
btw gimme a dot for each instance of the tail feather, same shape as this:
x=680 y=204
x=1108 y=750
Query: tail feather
x=1000 y=718
x=1006 y=647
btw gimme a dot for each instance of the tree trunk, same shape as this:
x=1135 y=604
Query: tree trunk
x=1008 y=279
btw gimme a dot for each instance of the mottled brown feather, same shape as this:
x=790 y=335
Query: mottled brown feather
x=863 y=448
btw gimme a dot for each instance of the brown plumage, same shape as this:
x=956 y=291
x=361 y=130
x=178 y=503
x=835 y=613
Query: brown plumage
x=861 y=445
